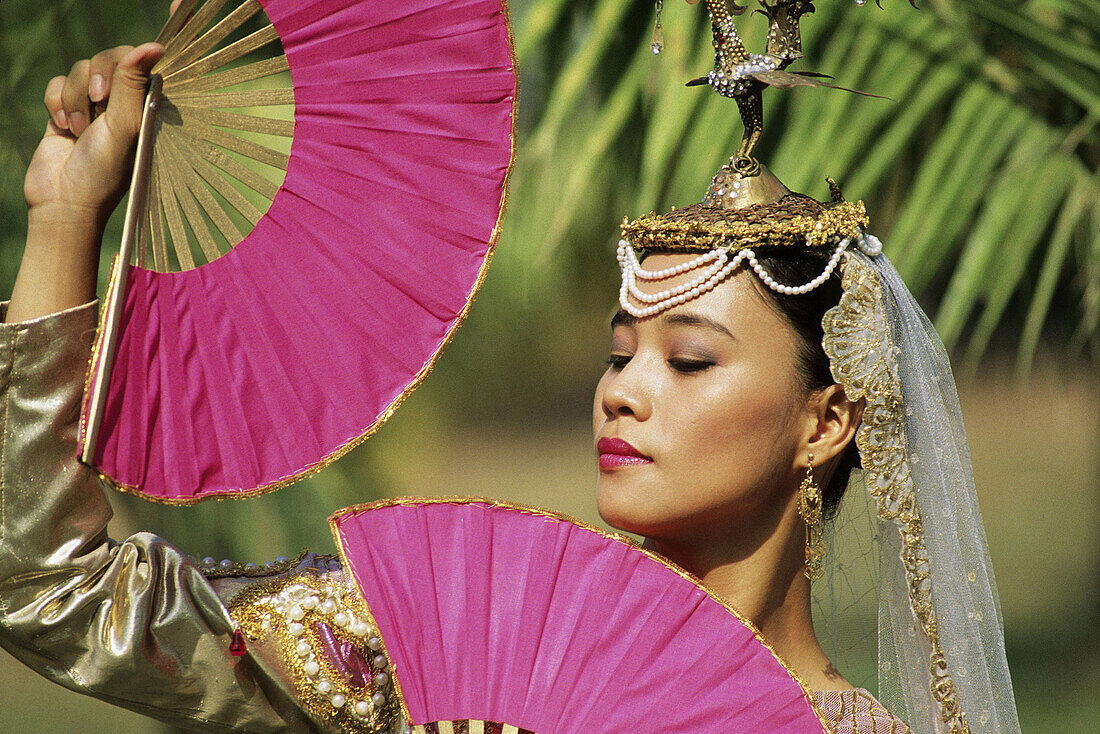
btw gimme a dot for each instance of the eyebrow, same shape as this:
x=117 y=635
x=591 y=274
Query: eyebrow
x=622 y=318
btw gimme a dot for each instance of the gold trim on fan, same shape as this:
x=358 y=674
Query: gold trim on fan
x=560 y=517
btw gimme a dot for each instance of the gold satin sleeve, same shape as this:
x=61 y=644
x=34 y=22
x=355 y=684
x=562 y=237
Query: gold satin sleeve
x=134 y=623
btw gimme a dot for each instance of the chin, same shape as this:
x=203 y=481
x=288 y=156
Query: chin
x=633 y=510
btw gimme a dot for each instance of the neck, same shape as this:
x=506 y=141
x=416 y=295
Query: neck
x=760 y=574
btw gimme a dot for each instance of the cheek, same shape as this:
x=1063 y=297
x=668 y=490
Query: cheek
x=733 y=413
x=738 y=445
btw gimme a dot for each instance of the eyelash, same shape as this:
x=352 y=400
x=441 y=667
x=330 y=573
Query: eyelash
x=684 y=366
x=689 y=366
x=618 y=361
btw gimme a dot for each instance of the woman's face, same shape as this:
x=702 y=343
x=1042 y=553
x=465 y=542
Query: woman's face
x=708 y=395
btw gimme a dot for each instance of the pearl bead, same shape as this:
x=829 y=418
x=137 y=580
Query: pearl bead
x=338 y=700
x=226 y=563
x=360 y=629
x=341 y=619
x=378 y=699
x=296 y=613
x=374 y=644
x=295 y=628
x=208 y=561
x=380 y=662
x=312 y=668
x=323 y=686
x=328 y=606
x=362 y=708
x=381 y=679
x=310 y=602
x=304 y=649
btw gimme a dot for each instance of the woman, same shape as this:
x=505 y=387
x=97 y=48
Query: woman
x=716 y=424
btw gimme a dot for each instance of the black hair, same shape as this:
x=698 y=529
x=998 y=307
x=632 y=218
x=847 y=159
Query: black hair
x=804 y=312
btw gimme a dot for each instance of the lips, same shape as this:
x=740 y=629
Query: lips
x=615 y=452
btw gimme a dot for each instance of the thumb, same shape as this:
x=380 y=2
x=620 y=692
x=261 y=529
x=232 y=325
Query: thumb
x=128 y=88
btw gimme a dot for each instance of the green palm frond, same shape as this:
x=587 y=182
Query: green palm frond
x=981 y=176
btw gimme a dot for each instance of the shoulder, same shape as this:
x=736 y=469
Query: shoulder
x=857 y=712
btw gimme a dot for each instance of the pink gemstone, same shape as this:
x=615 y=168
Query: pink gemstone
x=237 y=647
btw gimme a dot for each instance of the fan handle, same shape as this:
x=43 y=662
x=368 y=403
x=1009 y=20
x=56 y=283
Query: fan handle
x=139 y=186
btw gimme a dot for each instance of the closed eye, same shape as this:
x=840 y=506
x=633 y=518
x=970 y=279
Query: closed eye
x=618 y=361
x=688 y=366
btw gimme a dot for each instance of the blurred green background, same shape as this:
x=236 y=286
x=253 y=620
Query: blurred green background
x=981 y=179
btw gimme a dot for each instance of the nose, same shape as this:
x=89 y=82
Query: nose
x=624 y=393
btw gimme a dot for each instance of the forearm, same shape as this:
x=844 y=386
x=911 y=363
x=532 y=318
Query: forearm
x=60 y=262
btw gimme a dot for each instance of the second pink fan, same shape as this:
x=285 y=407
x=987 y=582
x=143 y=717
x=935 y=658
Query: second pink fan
x=523 y=618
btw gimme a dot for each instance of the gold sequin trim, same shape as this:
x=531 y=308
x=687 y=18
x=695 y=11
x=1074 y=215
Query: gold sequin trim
x=284 y=612
x=212 y=569
x=862 y=355
x=794 y=220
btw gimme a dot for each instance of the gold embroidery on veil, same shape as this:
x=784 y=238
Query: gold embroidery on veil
x=855 y=332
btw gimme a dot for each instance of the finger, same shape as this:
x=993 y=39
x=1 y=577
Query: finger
x=101 y=68
x=128 y=85
x=172 y=8
x=54 y=104
x=74 y=98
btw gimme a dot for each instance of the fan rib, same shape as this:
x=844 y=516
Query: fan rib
x=247 y=148
x=198 y=187
x=157 y=233
x=191 y=212
x=215 y=178
x=178 y=232
x=230 y=77
x=220 y=160
x=212 y=37
x=237 y=121
x=445 y=727
x=477 y=727
x=172 y=28
x=143 y=233
x=226 y=55
x=223 y=100
x=509 y=729
x=192 y=28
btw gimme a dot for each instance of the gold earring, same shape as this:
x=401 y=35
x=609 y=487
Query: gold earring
x=809 y=509
x=658 y=32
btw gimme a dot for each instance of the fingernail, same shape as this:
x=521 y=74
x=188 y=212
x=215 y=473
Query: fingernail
x=95 y=88
x=78 y=120
x=62 y=120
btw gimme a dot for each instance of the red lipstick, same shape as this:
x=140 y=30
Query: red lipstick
x=615 y=452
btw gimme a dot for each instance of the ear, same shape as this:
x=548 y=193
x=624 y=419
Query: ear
x=832 y=420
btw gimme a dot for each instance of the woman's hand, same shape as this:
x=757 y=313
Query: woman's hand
x=77 y=177
x=83 y=161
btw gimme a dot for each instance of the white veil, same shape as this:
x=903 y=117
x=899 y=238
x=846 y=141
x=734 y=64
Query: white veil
x=942 y=665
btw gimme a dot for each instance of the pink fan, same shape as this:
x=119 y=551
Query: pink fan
x=523 y=618
x=308 y=230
